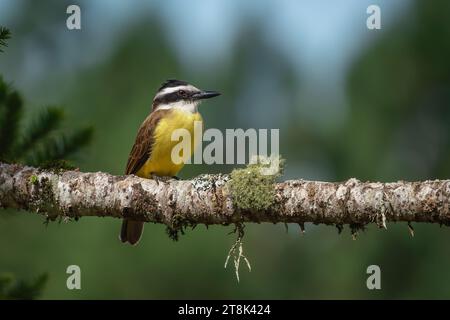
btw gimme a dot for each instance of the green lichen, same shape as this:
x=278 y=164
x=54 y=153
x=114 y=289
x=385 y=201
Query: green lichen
x=355 y=228
x=178 y=225
x=43 y=198
x=57 y=166
x=339 y=227
x=34 y=179
x=203 y=182
x=251 y=188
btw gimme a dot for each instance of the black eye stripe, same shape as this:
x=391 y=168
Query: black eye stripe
x=169 y=97
x=172 y=97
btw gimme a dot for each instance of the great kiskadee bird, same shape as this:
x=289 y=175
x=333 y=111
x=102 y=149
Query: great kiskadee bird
x=175 y=106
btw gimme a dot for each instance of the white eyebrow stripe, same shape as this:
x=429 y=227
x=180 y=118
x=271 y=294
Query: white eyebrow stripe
x=174 y=89
x=180 y=105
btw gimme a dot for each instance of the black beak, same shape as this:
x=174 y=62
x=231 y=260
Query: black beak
x=205 y=95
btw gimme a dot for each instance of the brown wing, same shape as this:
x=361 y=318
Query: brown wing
x=142 y=147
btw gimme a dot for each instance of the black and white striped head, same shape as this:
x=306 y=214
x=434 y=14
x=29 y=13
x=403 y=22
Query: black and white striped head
x=180 y=94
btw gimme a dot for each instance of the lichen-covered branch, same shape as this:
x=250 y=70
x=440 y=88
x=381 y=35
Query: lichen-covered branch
x=208 y=199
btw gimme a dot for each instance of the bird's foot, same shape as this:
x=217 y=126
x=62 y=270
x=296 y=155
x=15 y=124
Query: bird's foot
x=159 y=179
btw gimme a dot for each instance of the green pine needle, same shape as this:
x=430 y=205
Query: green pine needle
x=9 y=122
x=47 y=121
x=61 y=147
x=5 y=34
x=4 y=89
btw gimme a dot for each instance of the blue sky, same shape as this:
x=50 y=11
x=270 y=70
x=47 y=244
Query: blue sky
x=320 y=37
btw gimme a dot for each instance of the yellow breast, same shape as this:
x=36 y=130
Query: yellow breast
x=160 y=161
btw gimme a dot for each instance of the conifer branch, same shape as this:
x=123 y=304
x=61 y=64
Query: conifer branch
x=5 y=34
x=61 y=147
x=11 y=107
x=47 y=121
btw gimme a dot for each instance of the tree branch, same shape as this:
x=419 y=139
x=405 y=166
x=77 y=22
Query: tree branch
x=207 y=200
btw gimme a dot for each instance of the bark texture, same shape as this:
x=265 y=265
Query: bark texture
x=207 y=199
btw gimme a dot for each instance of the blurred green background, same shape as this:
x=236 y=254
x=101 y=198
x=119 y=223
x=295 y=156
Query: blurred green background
x=349 y=102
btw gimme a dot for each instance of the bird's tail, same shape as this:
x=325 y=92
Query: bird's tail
x=131 y=231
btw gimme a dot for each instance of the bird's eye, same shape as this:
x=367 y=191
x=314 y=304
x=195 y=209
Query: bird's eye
x=182 y=93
